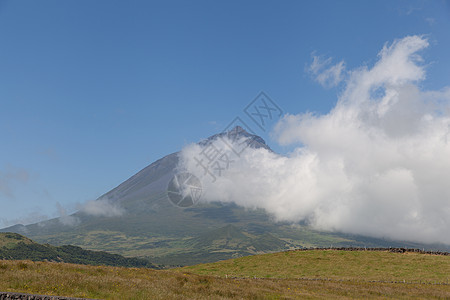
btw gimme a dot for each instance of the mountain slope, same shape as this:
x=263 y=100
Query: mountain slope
x=230 y=238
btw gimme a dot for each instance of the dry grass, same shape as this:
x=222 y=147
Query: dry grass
x=126 y=283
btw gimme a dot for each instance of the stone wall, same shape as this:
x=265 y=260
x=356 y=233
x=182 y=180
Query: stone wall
x=20 y=296
x=395 y=250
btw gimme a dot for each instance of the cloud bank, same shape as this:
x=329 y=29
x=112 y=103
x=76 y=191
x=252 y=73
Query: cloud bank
x=377 y=164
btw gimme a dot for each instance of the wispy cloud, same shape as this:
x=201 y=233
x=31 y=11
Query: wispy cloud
x=30 y=218
x=377 y=164
x=102 y=207
x=325 y=73
x=64 y=218
x=430 y=21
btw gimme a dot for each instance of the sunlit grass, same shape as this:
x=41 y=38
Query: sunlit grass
x=335 y=264
x=277 y=278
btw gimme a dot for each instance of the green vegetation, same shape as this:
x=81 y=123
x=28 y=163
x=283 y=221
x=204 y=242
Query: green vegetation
x=16 y=247
x=223 y=243
x=10 y=240
x=199 y=241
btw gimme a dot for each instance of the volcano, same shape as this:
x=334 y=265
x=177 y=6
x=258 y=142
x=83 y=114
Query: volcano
x=150 y=225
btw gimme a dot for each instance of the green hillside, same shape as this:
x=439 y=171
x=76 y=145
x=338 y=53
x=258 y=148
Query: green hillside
x=17 y=247
x=10 y=240
x=230 y=237
x=221 y=244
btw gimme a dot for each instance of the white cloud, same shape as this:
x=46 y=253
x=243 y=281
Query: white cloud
x=326 y=74
x=102 y=207
x=377 y=164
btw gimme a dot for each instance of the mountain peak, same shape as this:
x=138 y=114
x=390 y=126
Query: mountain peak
x=236 y=133
x=238 y=128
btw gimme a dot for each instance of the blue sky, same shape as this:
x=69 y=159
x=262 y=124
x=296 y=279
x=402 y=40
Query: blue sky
x=93 y=91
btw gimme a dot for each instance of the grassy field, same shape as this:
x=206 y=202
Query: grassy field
x=335 y=264
x=287 y=275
